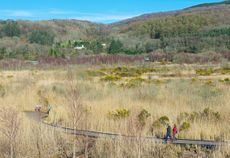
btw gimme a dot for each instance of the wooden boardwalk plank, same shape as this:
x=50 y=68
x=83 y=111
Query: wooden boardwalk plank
x=36 y=116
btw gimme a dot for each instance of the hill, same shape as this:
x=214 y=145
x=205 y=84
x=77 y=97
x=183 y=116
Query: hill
x=201 y=28
x=197 y=29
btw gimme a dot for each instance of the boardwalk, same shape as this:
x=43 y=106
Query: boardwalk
x=36 y=116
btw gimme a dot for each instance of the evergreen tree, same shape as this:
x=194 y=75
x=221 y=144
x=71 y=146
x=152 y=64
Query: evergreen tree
x=115 y=47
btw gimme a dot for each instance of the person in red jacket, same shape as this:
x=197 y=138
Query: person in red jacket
x=174 y=132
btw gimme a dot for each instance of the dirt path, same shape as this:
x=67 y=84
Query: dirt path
x=36 y=116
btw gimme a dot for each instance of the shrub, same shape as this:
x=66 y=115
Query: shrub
x=126 y=72
x=194 y=79
x=129 y=71
x=187 y=117
x=204 y=72
x=193 y=116
x=55 y=52
x=164 y=119
x=185 y=126
x=95 y=46
x=158 y=125
x=210 y=114
x=119 y=114
x=138 y=79
x=143 y=115
x=209 y=82
x=110 y=78
x=226 y=80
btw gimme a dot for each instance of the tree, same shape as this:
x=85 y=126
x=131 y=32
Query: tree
x=77 y=111
x=115 y=47
x=96 y=46
x=2 y=53
x=149 y=47
x=54 y=52
x=11 y=28
x=42 y=36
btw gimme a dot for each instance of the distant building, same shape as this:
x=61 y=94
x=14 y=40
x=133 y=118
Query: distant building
x=79 y=47
x=147 y=59
x=103 y=44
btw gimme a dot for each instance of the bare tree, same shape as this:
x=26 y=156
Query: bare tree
x=9 y=127
x=76 y=109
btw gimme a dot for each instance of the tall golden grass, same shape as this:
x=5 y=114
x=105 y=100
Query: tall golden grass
x=207 y=98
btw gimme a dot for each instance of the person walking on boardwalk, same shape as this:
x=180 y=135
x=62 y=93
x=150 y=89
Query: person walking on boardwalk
x=174 y=132
x=168 y=133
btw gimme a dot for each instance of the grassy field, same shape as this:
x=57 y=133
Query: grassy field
x=133 y=100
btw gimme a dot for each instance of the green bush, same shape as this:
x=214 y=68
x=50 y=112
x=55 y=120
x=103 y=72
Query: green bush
x=209 y=82
x=95 y=46
x=194 y=79
x=126 y=72
x=204 y=72
x=158 y=125
x=55 y=52
x=164 y=119
x=210 y=114
x=185 y=126
x=207 y=115
x=142 y=117
x=110 y=78
x=226 y=80
x=187 y=117
x=119 y=113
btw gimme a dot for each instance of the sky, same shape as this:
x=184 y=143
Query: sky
x=101 y=11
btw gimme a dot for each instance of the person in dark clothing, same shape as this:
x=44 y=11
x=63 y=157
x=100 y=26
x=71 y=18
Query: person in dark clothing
x=174 y=132
x=168 y=133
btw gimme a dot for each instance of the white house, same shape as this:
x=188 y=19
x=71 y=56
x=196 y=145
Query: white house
x=103 y=45
x=79 y=47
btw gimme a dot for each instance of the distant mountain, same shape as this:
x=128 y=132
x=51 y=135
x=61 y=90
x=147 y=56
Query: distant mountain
x=221 y=7
x=210 y=4
x=200 y=28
